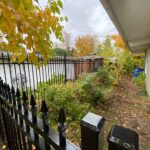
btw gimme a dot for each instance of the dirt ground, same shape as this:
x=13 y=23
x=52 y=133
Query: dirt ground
x=129 y=109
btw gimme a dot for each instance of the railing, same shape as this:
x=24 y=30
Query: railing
x=21 y=129
x=57 y=70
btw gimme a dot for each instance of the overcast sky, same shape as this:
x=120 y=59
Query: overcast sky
x=86 y=17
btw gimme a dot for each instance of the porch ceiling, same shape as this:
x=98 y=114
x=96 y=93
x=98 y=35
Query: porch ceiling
x=132 y=19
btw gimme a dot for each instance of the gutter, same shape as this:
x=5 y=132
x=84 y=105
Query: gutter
x=107 y=6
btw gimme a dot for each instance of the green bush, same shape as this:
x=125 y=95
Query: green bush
x=94 y=85
x=62 y=52
x=97 y=95
x=103 y=78
x=69 y=95
x=56 y=78
x=140 y=80
x=129 y=64
x=76 y=97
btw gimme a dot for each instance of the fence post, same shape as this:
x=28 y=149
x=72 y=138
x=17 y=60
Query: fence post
x=19 y=106
x=10 y=98
x=65 y=68
x=62 y=128
x=44 y=111
x=92 y=128
x=34 y=116
x=14 y=100
x=122 y=138
x=1 y=86
x=2 y=127
x=25 y=106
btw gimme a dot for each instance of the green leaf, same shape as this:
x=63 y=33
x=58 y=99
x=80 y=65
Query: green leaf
x=37 y=1
x=59 y=2
x=66 y=18
x=55 y=8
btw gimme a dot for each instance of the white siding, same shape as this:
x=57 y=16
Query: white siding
x=147 y=71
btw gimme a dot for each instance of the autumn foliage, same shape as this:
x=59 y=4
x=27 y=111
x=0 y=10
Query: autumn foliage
x=119 y=43
x=85 y=45
x=117 y=57
x=25 y=27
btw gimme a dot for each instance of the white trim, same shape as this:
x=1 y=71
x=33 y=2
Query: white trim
x=106 y=4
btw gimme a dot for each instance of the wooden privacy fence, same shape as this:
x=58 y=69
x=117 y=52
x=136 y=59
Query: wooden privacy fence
x=21 y=129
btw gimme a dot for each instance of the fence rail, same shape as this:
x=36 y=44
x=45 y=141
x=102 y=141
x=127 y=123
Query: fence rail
x=21 y=129
x=57 y=70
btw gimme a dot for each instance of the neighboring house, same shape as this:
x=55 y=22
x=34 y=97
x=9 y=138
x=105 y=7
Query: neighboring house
x=131 y=18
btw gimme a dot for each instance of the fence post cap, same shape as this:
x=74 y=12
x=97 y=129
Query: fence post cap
x=93 y=121
x=12 y=90
x=62 y=116
x=33 y=102
x=18 y=93
x=24 y=96
x=123 y=138
x=8 y=87
x=44 y=108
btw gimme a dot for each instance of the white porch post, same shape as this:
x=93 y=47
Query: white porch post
x=147 y=71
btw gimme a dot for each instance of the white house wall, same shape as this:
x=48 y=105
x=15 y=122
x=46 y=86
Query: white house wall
x=131 y=18
x=147 y=70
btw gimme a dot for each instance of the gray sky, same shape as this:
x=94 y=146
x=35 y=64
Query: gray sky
x=86 y=17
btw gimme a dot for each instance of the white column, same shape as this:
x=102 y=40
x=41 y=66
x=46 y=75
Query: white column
x=147 y=71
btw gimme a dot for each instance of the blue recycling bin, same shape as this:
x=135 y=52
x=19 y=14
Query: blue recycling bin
x=137 y=71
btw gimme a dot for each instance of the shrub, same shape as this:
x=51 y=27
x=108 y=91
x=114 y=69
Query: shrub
x=76 y=97
x=56 y=78
x=114 y=71
x=69 y=95
x=140 y=80
x=128 y=65
x=61 y=52
x=96 y=95
x=94 y=85
x=102 y=78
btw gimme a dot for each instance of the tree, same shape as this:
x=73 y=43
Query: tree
x=25 y=27
x=61 y=52
x=85 y=45
x=106 y=49
x=117 y=58
x=119 y=43
x=128 y=59
x=67 y=40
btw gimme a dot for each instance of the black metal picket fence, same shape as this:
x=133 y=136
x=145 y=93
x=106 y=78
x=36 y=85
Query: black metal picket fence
x=21 y=129
x=57 y=70
x=20 y=126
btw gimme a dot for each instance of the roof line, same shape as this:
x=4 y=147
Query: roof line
x=107 y=6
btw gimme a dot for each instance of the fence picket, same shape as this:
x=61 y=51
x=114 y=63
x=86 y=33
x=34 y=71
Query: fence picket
x=22 y=129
